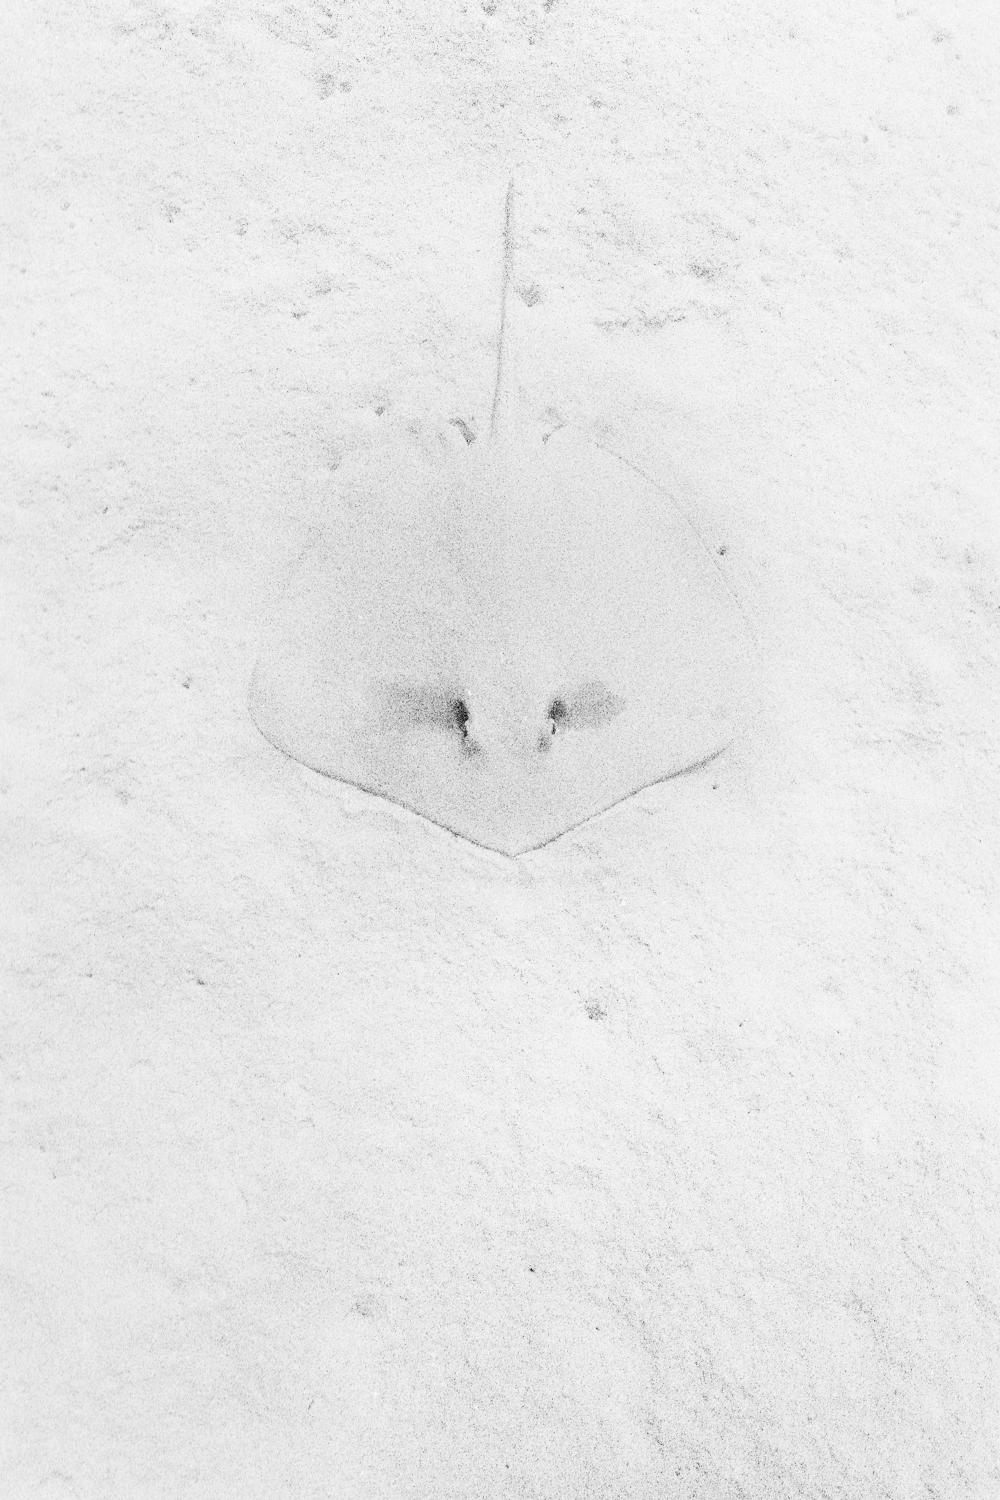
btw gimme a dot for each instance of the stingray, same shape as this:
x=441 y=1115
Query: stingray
x=506 y=635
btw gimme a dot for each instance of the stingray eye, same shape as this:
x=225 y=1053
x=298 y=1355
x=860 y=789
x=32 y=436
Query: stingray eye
x=557 y=713
x=460 y=717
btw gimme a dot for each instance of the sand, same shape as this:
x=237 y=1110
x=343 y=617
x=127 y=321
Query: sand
x=344 y=1159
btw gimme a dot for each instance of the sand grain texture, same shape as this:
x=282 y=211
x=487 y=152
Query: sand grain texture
x=343 y=1159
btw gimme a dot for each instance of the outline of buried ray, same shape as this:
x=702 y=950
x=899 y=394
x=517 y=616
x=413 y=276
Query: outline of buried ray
x=507 y=637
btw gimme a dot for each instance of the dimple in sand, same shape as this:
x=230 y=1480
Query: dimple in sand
x=505 y=636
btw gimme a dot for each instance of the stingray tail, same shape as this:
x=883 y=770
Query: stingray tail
x=500 y=389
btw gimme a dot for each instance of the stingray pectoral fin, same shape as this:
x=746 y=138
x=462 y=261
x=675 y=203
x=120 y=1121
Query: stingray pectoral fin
x=593 y=704
x=403 y=704
x=649 y=613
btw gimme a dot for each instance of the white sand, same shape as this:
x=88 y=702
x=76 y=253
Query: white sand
x=342 y=1159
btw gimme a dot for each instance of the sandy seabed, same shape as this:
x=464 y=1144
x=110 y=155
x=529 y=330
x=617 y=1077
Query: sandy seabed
x=340 y=1158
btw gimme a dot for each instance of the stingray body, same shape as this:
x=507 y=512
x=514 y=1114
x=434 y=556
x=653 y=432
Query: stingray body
x=506 y=637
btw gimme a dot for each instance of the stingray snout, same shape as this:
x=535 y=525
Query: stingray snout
x=508 y=738
x=519 y=749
